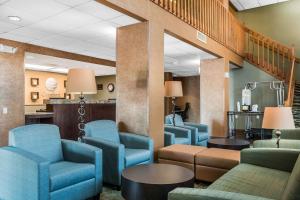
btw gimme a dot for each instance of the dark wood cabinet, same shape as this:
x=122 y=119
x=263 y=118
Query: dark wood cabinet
x=65 y=116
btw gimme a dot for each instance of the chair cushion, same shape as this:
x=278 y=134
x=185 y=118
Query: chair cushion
x=103 y=129
x=178 y=120
x=179 y=140
x=253 y=180
x=40 y=139
x=202 y=136
x=64 y=174
x=136 y=156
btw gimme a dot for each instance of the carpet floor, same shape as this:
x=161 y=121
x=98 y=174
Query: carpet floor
x=110 y=194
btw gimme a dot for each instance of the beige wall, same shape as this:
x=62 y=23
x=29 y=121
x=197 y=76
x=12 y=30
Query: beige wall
x=41 y=88
x=214 y=102
x=105 y=94
x=11 y=92
x=191 y=94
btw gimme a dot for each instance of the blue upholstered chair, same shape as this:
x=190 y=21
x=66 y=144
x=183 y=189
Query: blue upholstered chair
x=199 y=132
x=177 y=135
x=120 y=150
x=38 y=165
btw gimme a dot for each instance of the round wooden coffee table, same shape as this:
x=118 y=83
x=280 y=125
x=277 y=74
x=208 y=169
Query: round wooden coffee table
x=225 y=143
x=154 y=181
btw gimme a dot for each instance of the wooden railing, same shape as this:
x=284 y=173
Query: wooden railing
x=211 y=18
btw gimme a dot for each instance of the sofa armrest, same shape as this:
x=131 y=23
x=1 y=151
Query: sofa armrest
x=169 y=138
x=290 y=134
x=201 y=127
x=83 y=153
x=280 y=159
x=179 y=131
x=197 y=194
x=113 y=158
x=23 y=175
x=284 y=144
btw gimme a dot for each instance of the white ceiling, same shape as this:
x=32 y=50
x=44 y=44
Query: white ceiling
x=59 y=65
x=248 y=4
x=79 y=26
x=183 y=59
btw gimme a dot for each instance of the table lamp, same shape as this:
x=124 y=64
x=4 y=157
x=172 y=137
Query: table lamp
x=81 y=81
x=173 y=89
x=278 y=118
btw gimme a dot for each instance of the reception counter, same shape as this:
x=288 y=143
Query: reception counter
x=65 y=115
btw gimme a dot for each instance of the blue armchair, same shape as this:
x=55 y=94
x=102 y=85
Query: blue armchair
x=38 y=165
x=199 y=132
x=120 y=150
x=177 y=135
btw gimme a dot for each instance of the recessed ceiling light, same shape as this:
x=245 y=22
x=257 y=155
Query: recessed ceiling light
x=14 y=18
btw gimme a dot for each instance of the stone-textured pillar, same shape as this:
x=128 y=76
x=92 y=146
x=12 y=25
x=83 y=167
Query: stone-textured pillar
x=214 y=98
x=140 y=80
x=11 y=92
x=168 y=101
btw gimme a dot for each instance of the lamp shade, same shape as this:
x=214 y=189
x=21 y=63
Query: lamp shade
x=173 y=89
x=278 y=118
x=81 y=81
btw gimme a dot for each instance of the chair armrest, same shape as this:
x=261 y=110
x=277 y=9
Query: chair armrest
x=194 y=133
x=201 y=127
x=83 y=153
x=24 y=175
x=280 y=159
x=197 y=194
x=284 y=144
x=113 y=158
x=179 y=131
x=169 y=138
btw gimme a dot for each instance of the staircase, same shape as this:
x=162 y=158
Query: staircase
x=296 y=105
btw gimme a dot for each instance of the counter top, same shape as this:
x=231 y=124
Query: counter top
x=65 y=101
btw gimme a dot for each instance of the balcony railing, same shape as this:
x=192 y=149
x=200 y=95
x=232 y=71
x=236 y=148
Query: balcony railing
x=209 y=17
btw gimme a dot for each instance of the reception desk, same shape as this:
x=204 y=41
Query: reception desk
x=65 y=116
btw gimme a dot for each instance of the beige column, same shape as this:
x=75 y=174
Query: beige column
x=214 y=98
x=11 y=92
x=140 y=80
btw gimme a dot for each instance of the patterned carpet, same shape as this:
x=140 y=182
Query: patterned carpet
x=110 y=194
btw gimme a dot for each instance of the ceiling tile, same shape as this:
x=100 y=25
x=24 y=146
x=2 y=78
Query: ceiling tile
x=39 y=8
x=98 y=10
x=11 y=36
x=249 y=4
x=72 y=3
x=33 y=33
x=6 y=27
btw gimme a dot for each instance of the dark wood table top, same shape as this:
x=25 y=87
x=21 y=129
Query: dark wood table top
x=158 y=174
x=226 y=143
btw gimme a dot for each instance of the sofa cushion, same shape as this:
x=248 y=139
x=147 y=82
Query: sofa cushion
x=63 y=174
x=103 y=129
x=180 y=152
x=253 y=180
x=202 y=136
x=179 y=140
x=218 y=158
x=292 y=191
x=40 y=139
x=136 y=156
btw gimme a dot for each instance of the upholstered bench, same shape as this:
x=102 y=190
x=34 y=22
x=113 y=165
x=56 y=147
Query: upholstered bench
x=213 y=163
x=179 y=154
x=208 y=164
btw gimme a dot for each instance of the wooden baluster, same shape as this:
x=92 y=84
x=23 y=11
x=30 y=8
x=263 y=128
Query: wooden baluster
x=283 y=65
x=278 y=56
x=273 y=60
x=258 y=51
x=263 y=53
x=268 y=61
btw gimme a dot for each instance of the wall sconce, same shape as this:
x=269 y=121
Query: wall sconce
x=34 y=96
x=34 y=82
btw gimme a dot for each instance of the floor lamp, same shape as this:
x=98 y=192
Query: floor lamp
x=278 y=118
x=173 y=89
x=81 y=81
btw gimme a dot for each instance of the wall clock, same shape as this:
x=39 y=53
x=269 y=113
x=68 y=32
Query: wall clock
x=110 y=87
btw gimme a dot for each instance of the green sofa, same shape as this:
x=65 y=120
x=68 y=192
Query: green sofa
x=264 y=173
x=289 y=139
